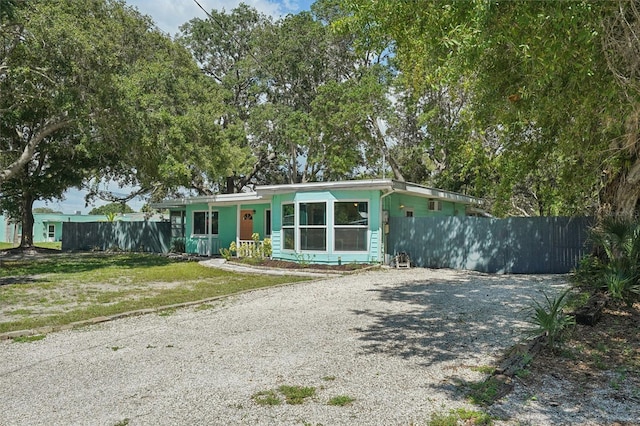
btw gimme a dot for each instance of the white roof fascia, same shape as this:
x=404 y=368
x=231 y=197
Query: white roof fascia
x=217 y=199
x=433 y=193
x=381 y=184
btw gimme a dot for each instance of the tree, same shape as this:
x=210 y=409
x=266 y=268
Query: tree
x=46 y=210
x=92 y=91
x=546 y=109
x=112 y=208
x=303 y=106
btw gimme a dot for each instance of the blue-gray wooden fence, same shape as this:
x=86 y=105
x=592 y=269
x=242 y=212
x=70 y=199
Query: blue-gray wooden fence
x=515 y=245
x=144 y=236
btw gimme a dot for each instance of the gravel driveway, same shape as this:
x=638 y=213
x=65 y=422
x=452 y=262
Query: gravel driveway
x=397 y=341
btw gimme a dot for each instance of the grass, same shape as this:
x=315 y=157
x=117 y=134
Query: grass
x=53 y=245
x=460 y=416
x=66 y=288
x=341 y=400
x=27 y=339
x=295 y=395
x=268 y=397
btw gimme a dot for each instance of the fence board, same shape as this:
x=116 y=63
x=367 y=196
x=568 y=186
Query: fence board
x=514 y=245
x=145 y=236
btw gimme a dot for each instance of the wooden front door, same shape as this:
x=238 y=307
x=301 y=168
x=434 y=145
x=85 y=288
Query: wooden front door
x=246 y=224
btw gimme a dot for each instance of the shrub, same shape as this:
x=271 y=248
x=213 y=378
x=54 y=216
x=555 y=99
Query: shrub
x=178 y=245
x=550 y=320
x=614 y=266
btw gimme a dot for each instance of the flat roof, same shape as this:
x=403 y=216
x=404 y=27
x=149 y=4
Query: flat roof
x=263 y=193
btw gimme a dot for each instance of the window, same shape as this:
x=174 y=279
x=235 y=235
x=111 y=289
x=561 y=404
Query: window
x=177 y=224
x=351 y=222
x=52 y=231
x=408 y=213
x=288 y=227
x=267 y=223
x=201 y=223
x=313 y=226
x=435 y=205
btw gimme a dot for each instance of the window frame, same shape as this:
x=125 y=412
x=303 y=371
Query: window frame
x=214 y=232
x=284 y=227
x=300 y=227
x=51 y=230
x=364 y=227
x=268 y=223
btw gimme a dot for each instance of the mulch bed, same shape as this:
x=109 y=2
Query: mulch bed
x=283 y=264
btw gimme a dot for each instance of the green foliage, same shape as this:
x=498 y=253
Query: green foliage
x=46 y=210
x=460 y=415
x=341 y=400
x=549 y=319
x=98 y=94
x=178 y=245
x=227 y=254
x=112 y=208
x=615 y=266
x=296 y=395
x=28 y=339
x=532 y=123
x=268 y=397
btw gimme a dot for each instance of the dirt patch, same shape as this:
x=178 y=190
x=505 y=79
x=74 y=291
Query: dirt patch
x=598 y=368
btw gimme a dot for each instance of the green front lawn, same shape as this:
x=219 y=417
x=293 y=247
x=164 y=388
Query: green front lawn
x=64 y=288
x=55 y=246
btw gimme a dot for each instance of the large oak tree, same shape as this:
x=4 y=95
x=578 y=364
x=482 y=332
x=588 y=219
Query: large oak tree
x=91 y=91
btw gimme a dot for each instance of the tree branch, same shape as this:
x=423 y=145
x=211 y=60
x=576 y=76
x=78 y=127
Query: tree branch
x=30 y=149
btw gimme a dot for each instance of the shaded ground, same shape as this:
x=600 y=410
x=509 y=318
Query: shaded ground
x=597 y=370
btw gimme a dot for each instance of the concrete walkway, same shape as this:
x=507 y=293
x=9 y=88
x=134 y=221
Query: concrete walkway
x=247 y=269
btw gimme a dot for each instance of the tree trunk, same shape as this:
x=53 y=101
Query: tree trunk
x=26 y=240
x=621 y=195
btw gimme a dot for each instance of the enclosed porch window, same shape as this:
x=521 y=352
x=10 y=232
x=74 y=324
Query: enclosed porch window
x=351 y=222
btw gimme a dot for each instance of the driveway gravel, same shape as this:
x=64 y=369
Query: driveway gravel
x=397 y=341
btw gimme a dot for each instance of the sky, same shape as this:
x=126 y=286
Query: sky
x=169 y=15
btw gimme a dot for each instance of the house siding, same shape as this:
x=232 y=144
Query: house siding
x=227 y=226
x=330 y=255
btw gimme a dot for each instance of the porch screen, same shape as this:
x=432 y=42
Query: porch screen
x=313 y=226
x=351 y=221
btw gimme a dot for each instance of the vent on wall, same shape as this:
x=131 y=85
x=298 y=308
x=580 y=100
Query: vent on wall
x=435 y=205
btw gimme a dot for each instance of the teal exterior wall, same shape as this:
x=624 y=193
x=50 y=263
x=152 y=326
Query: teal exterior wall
x=228 y=216
x=332 y=254
x=399 y=204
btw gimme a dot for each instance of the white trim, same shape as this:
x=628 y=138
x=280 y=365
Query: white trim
x=367 y=227
x=209 y=225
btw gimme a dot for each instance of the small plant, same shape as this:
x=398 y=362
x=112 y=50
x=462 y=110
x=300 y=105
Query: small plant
x=295 y=395
x=123 y=422
x=166 y=312
x=341 y=400
x=484 y=393
x=304 y=259
x=461 y=415
x=27 y=339
x=268 y=397
x=178 y=245
x=485 y=369
x=550 y=320
x=228 y=253
x=267 y=248
x=329 y=378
